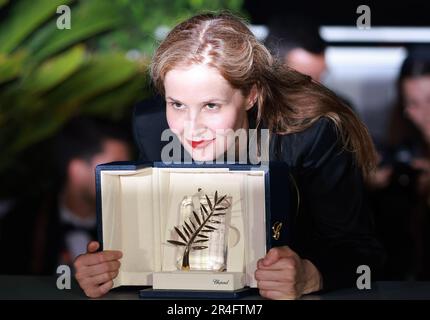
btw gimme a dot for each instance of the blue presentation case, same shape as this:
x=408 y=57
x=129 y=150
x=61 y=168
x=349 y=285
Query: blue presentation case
x=281 y=206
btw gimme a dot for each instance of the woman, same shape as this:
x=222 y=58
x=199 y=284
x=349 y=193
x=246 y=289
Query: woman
x=410 y=125
x=402 y=183
x=216 y=77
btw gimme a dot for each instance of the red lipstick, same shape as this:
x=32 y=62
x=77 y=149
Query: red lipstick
x=200 y=143
x=195 y=144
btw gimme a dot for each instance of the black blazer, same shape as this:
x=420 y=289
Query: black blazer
x=334 y=227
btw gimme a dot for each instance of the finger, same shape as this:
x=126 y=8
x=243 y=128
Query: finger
x=88 y=275
x=271 y=257
x=281 y=264
x=93 y=246
x=103 y=278
x=286 y=251
x=275 y=285
x=260 y=263
x=274 y=275
x=97 y=269
x=277 y=253
x=277 y=295
x=92 y=292
x=263 y=293
x=105 y=287
x=96 y=291
x=100 y=257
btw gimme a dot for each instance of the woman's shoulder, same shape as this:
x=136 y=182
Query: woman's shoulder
x=310 y=147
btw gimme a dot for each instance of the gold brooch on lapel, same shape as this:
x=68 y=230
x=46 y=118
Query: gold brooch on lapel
x=276 y=228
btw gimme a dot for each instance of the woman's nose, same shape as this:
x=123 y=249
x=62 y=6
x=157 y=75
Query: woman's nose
x=194 y=123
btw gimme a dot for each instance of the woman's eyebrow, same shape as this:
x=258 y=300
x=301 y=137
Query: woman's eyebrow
x=213 y=100
x=206 y=101
x=175 y=100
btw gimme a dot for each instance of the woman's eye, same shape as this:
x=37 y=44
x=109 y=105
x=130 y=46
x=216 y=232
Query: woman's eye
x=177 y=105
x=212 y=106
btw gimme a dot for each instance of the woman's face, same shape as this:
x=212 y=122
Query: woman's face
x=202 y=109
x=417 y=101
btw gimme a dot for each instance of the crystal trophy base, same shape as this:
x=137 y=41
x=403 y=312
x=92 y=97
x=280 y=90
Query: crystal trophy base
x=199 y=280
x=201 y=239
x=202 y=235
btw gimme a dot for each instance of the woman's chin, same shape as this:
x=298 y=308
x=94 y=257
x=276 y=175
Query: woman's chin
x=202 y=155
x=203 y=158
x=211 y=152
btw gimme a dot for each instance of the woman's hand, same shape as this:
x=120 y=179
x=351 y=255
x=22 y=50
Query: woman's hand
x=282 y=274
x=95 y=271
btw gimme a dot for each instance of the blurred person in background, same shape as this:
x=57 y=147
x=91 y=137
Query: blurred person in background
x=401 y=185
x=297 y=42
x=37 y=237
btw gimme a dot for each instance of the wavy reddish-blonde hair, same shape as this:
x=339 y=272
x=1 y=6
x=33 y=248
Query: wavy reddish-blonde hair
x=288 y=101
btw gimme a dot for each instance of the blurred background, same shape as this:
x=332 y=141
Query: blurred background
x=67 y=96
